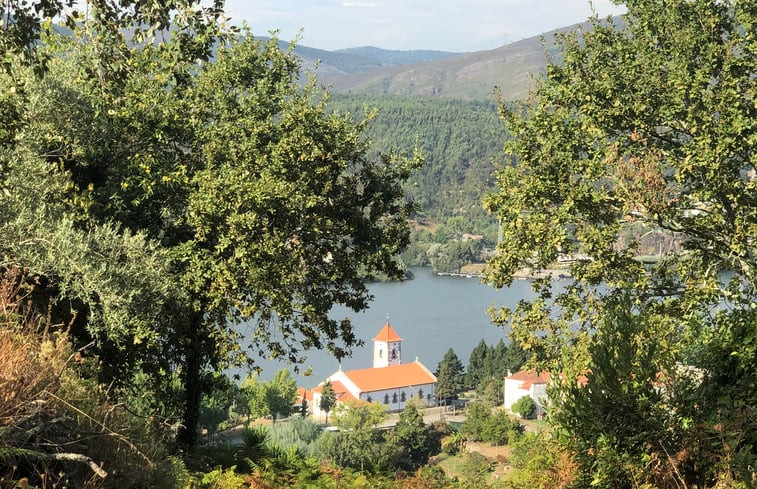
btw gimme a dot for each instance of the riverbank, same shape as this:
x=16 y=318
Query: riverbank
x=478 y=270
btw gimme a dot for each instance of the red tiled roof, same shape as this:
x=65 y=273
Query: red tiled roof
x=387 y=333
x=340 y=391
x=303 y=393
x=393 y=376
x=529 y=377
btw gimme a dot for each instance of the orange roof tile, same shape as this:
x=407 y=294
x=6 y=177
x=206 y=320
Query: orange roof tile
x=303 y=393
x=387 y=333
x=529 y=377
x=340 y=391
x=393 y=376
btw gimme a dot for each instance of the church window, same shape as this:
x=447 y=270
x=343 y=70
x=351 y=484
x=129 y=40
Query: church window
x=420 y=393
x=403 y=397
x=394 y=398
x=394 y=354
x=428 y=397
x=386 y=398
x=369 y=399
x=381 y=353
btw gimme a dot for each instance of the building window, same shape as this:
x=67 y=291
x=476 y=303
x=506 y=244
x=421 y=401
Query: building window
x=420 y=393
x=381 y=353
x=394 y=398
x=386 y=398
x=428 y=397
x=394 y=354
x=403 y=397
x=369 y=399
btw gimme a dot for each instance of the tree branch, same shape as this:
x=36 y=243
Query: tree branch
x=77 y=457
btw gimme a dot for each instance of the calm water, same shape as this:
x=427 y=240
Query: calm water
x=430 y=313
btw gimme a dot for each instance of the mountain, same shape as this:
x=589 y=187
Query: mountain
x=359 y=60
x=470 y=76
x=393 y=57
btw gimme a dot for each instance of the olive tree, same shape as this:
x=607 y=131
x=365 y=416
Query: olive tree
x=263 y=205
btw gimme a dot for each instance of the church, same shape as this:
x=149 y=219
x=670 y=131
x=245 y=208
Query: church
x=389 y=382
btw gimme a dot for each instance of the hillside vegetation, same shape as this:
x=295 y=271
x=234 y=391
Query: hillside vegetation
x=461 y=142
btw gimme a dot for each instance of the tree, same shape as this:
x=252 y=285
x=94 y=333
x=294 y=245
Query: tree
x=642 y=127
x=525 y=407
x=255 y=392
x=449 y=376
x=280 y=394
x=491 y=391
x=500 y=428
x=414 y=442
x=478 y=416
x=304 y=408
x=360 y=445
x=275 y=397
x=476 y=363
x=264 y=206
x=328 y=399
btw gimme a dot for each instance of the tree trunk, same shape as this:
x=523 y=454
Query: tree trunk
x=191 y=380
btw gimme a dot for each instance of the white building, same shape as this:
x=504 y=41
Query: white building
x=527 y=383
x=389 y=382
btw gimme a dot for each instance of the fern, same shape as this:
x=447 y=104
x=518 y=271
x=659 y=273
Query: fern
x=14 y=455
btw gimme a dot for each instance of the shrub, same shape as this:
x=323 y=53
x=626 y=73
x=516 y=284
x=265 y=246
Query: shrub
x=525 y=407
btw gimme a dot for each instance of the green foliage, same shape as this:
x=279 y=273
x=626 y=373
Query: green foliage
x=458 y=139
x=223 y=479
x=298 y=432
x=483 y=425
x=328 y=399
x=643 y=126
x=253 y=202
x=281 y=393
x=414 y=442
x=525 y=407
x=537 y=463
x=359 y=445
x=450 y=376
x=488 y=365
x=476 y=468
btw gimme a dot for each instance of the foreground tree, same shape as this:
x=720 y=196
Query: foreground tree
x=645 y=127
x=262 y=207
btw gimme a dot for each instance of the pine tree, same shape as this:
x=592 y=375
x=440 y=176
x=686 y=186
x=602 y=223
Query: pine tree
x=476 y=364
x=449 y=376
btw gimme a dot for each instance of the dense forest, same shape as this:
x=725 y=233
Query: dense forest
x=461 y=143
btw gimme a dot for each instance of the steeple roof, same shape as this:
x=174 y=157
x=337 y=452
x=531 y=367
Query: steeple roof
x=387 y=333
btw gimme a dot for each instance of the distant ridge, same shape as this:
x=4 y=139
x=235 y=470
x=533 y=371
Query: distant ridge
x=395 y=57
x=360 y=59
x=467 y=76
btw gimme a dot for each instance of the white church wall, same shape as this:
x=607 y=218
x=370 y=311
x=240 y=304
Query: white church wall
x=396 y=402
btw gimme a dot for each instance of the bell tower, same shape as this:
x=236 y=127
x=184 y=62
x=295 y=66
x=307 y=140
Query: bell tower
x=387 y=347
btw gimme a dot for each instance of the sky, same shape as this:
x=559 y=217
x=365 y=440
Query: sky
x=445 y=25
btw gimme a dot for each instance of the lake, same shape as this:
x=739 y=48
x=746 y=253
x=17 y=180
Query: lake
x=431 y=313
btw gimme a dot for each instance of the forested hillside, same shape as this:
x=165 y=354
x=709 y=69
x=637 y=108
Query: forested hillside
x=461 y=142
x=458 y=139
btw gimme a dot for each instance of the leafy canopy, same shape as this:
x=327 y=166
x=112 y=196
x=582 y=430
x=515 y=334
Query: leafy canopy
x=644 y=127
